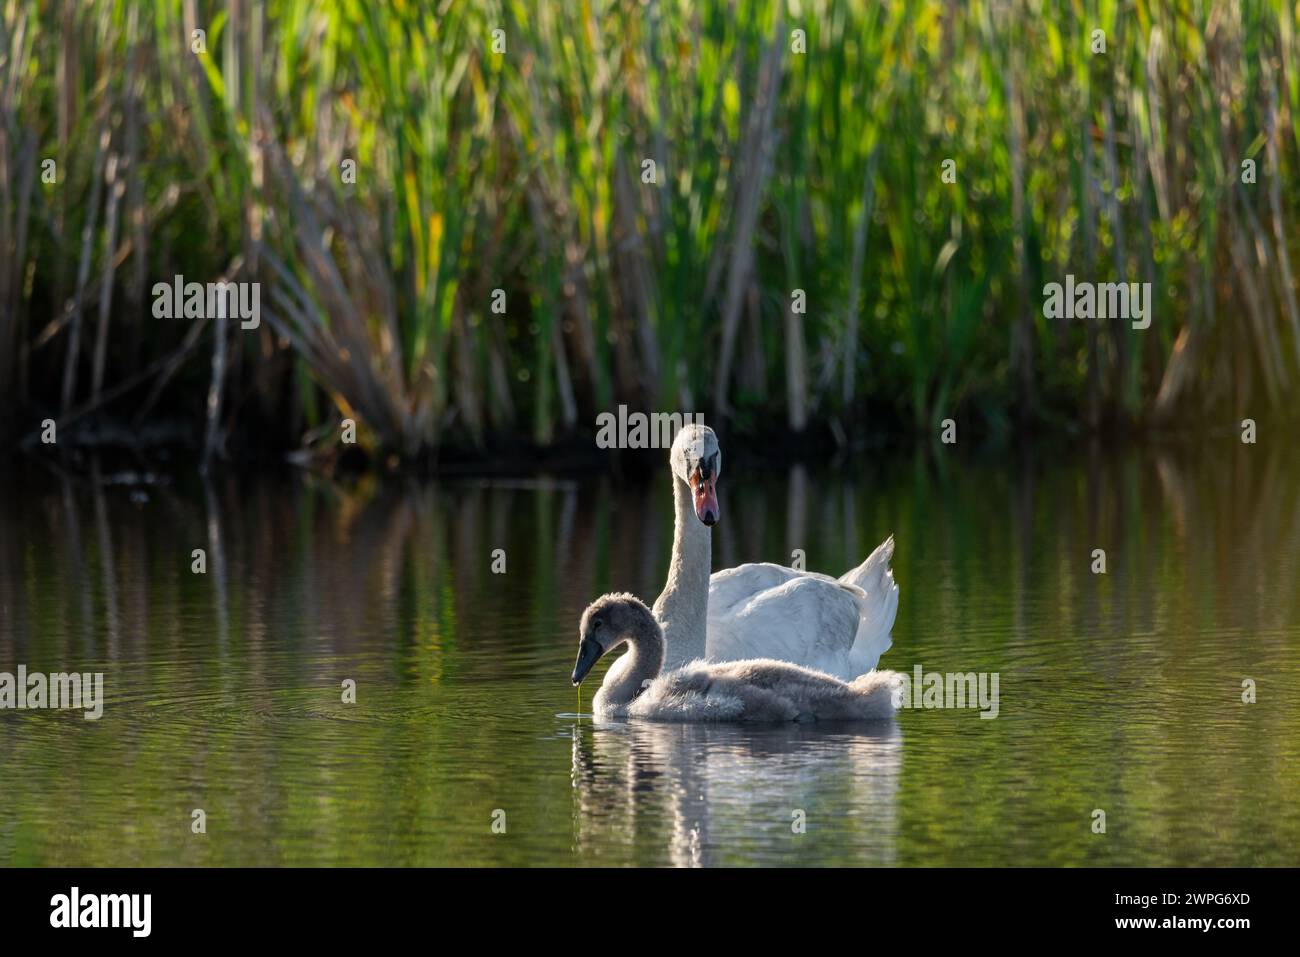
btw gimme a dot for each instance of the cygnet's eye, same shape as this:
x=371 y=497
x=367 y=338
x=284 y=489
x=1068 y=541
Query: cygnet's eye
x=596 y=624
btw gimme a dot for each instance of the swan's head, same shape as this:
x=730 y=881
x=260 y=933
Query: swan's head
x=609 y=621
x=697 y=461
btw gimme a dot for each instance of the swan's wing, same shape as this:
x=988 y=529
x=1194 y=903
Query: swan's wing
x=731 y=587
x=810 y=620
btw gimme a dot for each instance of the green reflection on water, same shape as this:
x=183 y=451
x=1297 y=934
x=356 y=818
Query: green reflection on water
x=1118 y=691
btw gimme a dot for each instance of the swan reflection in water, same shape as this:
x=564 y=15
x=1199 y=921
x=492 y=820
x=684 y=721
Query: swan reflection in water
x=696 y=795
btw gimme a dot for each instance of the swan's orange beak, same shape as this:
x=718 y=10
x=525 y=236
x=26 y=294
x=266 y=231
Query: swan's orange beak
x=704 y=492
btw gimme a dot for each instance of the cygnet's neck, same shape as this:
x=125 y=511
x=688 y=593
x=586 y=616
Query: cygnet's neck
x=642 y=663
x=683 y=607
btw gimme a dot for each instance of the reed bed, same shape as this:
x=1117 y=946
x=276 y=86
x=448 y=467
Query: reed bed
x=611 y=202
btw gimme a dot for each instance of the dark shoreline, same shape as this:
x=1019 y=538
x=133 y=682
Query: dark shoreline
x=176 y=447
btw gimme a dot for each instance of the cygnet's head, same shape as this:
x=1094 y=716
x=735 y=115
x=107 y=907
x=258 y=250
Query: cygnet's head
x=697 y=461
x=609 y=621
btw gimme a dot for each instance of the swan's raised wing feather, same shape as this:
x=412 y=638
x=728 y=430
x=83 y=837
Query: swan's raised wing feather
x=880 y=606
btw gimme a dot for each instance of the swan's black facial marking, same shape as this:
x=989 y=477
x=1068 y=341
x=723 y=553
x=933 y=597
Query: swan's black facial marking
x=707 y=467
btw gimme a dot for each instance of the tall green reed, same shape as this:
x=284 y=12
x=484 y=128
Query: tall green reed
x=522 y=178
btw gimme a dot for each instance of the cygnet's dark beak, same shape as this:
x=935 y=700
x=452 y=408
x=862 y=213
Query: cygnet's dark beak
x=588 y=654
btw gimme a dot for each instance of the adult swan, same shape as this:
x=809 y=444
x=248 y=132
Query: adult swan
x=839 y=626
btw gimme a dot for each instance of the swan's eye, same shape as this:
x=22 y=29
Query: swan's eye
x=596 y=623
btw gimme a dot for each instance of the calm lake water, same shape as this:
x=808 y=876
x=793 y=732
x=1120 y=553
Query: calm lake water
x=1120 y=692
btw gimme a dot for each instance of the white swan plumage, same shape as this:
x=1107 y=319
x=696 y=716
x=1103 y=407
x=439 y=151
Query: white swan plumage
x=837 y=625
x=840 y=626
x=761 y=690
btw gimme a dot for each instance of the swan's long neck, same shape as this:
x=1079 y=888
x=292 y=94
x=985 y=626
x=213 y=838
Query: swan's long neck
x=683 y=607
x=642 y=663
